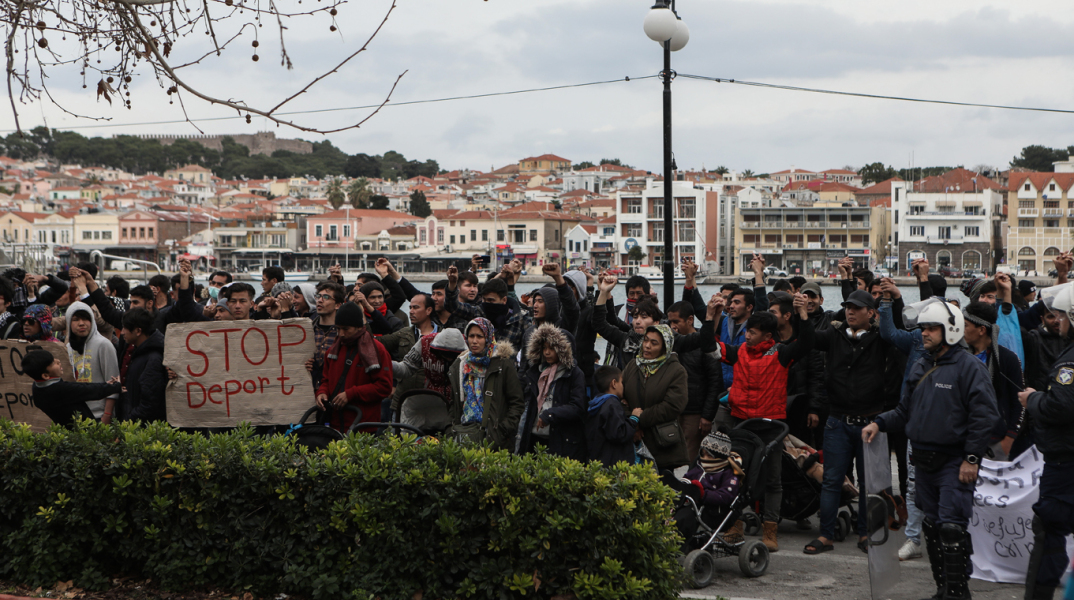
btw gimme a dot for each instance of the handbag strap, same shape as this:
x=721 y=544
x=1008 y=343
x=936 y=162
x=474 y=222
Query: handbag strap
x=342 y=382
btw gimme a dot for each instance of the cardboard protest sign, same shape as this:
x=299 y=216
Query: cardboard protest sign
x=18 y=389
x=235 y=371
x=1002 y=524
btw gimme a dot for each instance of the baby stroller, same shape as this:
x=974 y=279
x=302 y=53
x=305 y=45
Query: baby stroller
x=752 y=440
x=801 y=489
x=319 y=436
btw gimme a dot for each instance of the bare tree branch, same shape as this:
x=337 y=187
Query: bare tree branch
x=129 y=28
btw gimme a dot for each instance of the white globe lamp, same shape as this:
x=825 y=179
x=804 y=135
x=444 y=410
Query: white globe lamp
x=660 y=24
x=681 y=36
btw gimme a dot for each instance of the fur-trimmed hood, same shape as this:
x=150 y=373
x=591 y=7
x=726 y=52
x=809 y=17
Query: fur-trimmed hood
x=554 y=336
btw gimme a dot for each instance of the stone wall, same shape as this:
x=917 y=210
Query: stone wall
x=263 y=142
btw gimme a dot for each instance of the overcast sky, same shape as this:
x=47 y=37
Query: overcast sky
x=988 y=51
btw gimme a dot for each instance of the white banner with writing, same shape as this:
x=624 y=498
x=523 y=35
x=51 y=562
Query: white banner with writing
x=1002 y=522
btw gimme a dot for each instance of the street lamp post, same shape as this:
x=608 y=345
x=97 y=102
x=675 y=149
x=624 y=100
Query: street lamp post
x=663 y=26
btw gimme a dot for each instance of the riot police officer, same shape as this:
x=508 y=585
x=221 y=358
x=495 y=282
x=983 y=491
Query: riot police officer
x=948 y=411
x=1052 y=412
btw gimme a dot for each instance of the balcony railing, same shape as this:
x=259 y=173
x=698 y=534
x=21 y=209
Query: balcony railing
x=1053 y=212
x=1028 y=212
x=954 y=238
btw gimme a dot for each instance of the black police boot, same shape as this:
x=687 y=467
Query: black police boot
x=934 y=549
x=1033 y=590
x=956 y=556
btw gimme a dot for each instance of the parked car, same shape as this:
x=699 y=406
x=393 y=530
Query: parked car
x=882 y=273
x=949 y=271
x=772 y=271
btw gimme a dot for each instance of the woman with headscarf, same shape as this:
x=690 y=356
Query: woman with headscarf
x=554 y=388
x=655 y=382
x=487 y=401
x=37 y=324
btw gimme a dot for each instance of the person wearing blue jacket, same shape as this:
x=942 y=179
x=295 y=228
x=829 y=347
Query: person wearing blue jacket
x=949 y=412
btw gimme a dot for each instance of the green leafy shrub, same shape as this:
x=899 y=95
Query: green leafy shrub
x=382 y=517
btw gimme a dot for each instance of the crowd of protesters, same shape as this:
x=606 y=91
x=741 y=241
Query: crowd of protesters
x=950 y=381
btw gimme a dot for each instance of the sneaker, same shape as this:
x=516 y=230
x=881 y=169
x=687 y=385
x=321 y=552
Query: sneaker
x=910 y=550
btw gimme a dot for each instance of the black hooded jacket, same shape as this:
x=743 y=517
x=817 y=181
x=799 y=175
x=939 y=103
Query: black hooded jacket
x=146 y=381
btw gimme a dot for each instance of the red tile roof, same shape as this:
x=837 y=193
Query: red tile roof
x=1040 y=180
x=546 y=157
x=957 y=180
x=884 y=187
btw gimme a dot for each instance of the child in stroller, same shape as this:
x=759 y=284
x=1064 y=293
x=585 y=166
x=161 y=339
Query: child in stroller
x=711 y=485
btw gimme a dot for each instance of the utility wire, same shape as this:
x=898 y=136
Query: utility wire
x=388 y=105
x=792 y=88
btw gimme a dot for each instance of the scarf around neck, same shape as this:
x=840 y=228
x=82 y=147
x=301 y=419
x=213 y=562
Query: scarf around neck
x=367 y=350
x=474 y=371
x=648 y=366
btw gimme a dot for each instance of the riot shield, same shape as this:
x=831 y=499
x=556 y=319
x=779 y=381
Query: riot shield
x=883 y=541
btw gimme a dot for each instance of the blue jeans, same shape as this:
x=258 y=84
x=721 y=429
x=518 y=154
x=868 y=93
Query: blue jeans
x=842 y=444
x=914 y=516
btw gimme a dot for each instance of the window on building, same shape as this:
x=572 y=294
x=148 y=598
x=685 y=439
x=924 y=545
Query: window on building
x=318 y=230
x=452 y=239
x=422 y=235
x=439 y=235
x=452 y=223
x=484 y=235
x=123 y=233
x=943 y=232
x=751 y=239
x=473 y=235
x=585 y=245
x=346 y=231
x=632 y=229
x=277 y=240
x=1051 y=251
x=499 y=235
x=141 y=232
x=557 y=235
x=633 y=206
x=96 y=235
x=916 y=210
x=973 y=210
x=106 y=235
x=687 y=208
x=773 y=239
x=1051 y=204
x=1051 y=187
x=1026 y=251
x=53 y=237
x=1027 y=204
x=1027 y=223
x=687 y=233
x=1070 y=222
x=333 y=232
x=87 y=235
x=1051 y=222
x=1026 y=188
x=917 y=230
x=972 y=231
x=859 y=240
x=533 y=235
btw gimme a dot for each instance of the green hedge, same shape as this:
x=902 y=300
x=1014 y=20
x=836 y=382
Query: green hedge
x=382 y=517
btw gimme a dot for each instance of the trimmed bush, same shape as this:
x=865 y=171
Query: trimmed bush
x=384 y=517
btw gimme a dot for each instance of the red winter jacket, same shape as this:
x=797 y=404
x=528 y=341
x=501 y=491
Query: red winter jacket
x=760 y=383
x=364 y=390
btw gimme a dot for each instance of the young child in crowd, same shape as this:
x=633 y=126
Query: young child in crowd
x=609 y=431
x=63 y=400
x=712 y=482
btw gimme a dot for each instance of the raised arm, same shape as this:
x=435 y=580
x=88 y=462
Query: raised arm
x=803 y=344
x=610 y=333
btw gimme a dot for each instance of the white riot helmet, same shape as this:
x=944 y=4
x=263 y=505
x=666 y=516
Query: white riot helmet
x=1063 y=302
x=943 y=315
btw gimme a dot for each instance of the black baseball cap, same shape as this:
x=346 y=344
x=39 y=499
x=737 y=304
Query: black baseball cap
x=860 y=298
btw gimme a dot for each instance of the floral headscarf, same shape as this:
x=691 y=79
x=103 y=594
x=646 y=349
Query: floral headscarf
x=649 y=366
x=43 y=315
x=475 y=368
